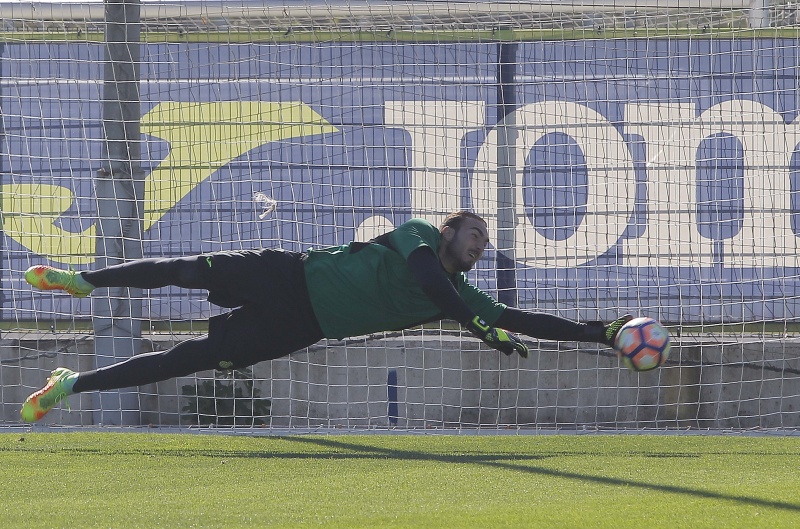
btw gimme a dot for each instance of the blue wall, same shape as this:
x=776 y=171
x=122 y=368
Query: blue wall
x=327 y=184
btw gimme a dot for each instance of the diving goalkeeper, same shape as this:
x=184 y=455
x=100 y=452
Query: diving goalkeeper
x=285 y=301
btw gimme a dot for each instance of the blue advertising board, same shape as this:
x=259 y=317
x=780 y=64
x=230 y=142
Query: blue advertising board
x=653 y=176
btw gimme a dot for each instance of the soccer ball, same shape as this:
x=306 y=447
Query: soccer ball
x=642 y=344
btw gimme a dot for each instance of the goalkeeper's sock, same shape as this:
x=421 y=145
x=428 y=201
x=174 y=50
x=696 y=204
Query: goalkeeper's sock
x=59 y=386
x=185 y=272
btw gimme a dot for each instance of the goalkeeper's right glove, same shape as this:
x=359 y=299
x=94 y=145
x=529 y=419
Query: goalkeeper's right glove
x=612 y=329
x=497 y=338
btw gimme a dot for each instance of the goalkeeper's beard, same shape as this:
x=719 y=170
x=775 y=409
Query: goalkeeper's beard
x=458 y=261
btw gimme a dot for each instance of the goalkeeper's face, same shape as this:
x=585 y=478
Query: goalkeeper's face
x=461 y=248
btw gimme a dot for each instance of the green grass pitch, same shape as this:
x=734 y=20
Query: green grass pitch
x=148 y=480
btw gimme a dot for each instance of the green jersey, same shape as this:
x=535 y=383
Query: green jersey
x=361 y=288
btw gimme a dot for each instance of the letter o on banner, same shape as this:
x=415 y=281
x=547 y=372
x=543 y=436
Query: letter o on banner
x=611 y=193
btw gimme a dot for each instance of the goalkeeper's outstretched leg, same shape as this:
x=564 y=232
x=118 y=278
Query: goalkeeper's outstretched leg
x=236 y=340
x=232 y=278
x=186 y=272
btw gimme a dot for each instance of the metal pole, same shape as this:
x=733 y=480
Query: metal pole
x=119 y=187
x=506 y=214
x=4 y=314
x=506 y=172
x=758 y=15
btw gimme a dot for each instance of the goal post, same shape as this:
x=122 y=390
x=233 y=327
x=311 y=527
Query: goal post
x=630 y=157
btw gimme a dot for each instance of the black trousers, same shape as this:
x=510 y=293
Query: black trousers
x=271 y=317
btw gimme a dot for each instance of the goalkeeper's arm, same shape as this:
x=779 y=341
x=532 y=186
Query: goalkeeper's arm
x=427 y=270
x=549 y=327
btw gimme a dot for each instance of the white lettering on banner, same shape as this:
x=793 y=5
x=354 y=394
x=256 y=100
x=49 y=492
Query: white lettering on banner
x=671 y=233
x=672 y=134
x=766 y=238
x=611 y=190
x=436 y=129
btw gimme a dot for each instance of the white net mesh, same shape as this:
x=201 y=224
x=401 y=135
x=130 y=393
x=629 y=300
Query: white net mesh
x=630 y=157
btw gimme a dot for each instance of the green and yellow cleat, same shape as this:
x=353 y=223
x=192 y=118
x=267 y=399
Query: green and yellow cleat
x=46 y=277
x=58 y=387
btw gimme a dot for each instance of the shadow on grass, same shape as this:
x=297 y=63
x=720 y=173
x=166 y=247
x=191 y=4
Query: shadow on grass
x=502 y=462
x=343 y=450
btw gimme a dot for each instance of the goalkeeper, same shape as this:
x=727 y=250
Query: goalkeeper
x=284 y=301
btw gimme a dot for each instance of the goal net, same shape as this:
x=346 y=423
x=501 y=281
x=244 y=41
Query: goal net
x=630 y=157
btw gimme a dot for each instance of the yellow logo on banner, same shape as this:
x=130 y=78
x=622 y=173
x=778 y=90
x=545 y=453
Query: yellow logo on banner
x=30 y=212
x=203 y=137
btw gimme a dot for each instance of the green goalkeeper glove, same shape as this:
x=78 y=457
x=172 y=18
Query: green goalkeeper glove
x=612 y=329
x=497 y=338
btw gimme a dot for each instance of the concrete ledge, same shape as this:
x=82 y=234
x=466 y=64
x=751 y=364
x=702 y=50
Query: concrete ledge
x=447 y=381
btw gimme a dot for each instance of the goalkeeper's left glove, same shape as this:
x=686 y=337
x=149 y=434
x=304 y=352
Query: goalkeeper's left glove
x=497 y=338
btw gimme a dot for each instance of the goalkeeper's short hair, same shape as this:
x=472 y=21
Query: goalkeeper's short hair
x=454 y=220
